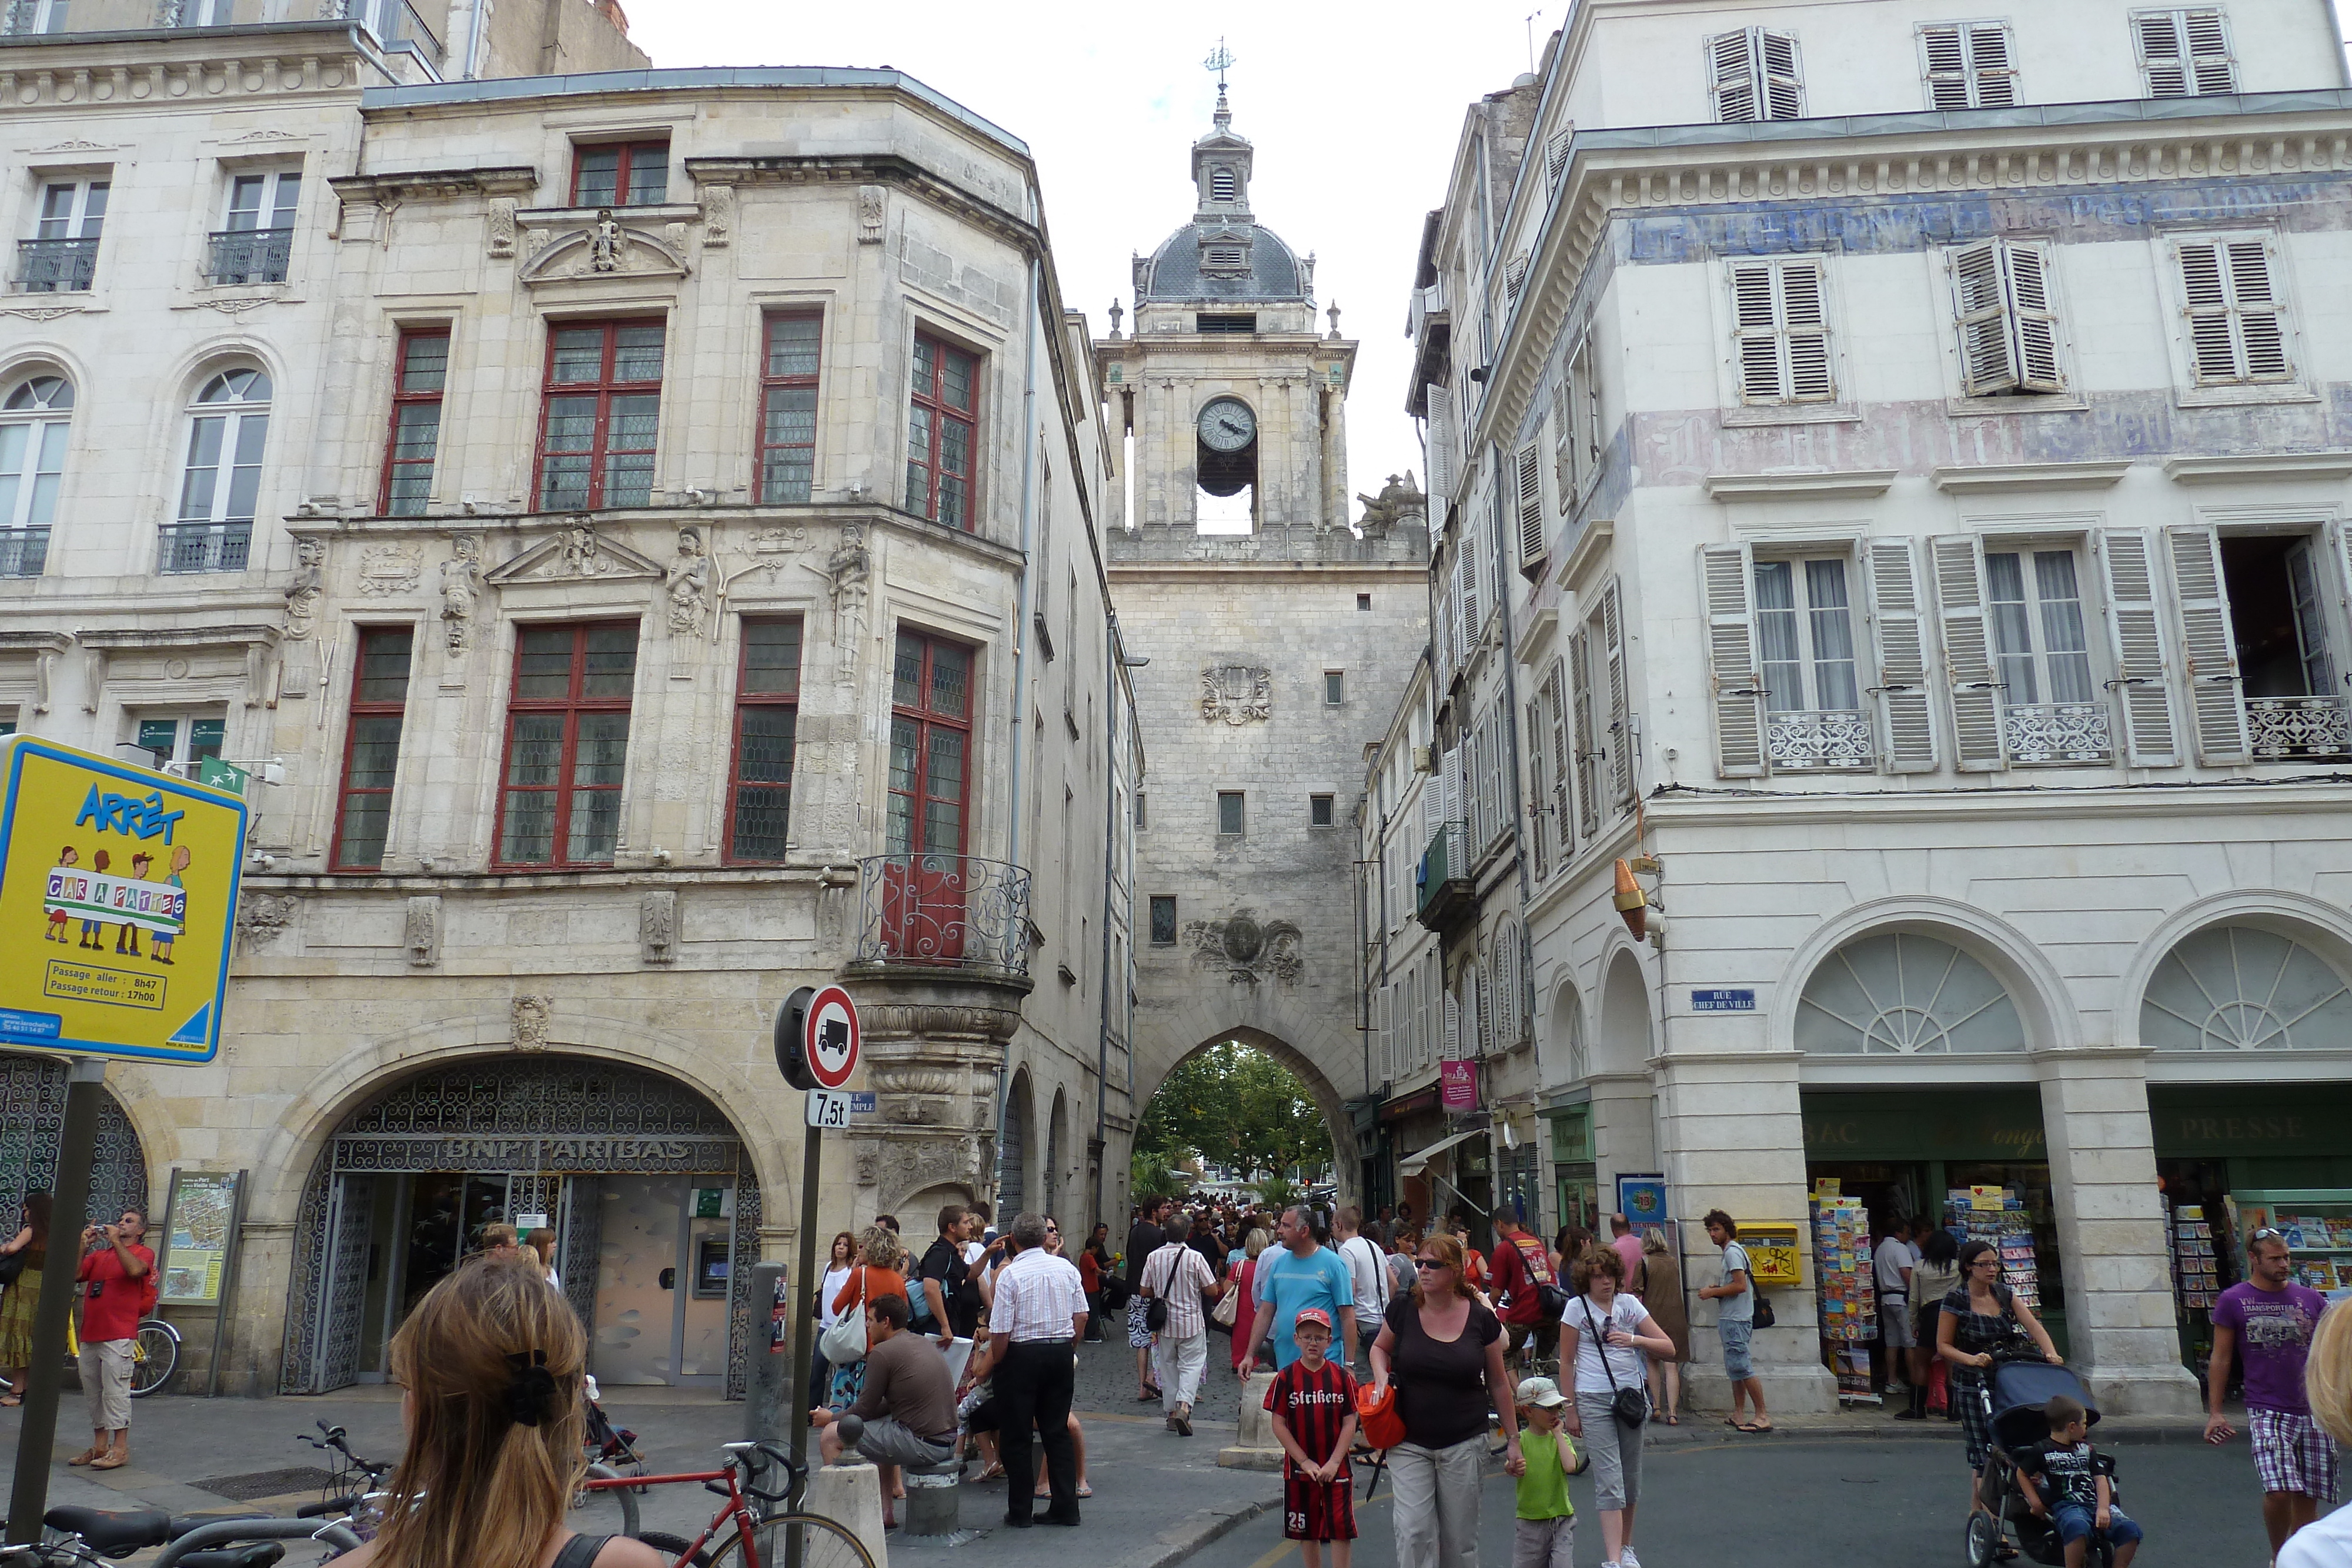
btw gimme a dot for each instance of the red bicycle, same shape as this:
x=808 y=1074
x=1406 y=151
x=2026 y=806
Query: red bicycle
x=733 y=1536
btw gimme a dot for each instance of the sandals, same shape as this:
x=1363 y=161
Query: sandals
x=109 y=1461
x=88 y=1456
x=9 y=1401
x=992 y=1472
x=1084 y=1490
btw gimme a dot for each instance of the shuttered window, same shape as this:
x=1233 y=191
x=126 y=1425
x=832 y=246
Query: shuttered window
x=1906 y=730
x=2134 y=639
x=1731 y=662
x=1780 y=325
x=1753 y=74
x=2237 y=331
x=1974 y=686
x=1555 y=738
x=2185 y=53
x=1530 y=505
x=2208 y=646
x=1621 y=713
x=1588 y=739
x=2008 y=326
x=1967 y=65
x=1539 y=828
x=1557 y=147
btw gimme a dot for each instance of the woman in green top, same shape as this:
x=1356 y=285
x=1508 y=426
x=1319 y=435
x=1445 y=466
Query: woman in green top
x=1545 y=1532
x=17 y=1305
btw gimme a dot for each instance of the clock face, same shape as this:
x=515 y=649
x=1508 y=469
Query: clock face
x=1227 y=425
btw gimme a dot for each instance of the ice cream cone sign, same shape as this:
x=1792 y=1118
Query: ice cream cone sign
x=1632 y=902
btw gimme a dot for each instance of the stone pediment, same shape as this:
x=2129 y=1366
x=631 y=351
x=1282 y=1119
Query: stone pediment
x=592 y=252
x=577 y=553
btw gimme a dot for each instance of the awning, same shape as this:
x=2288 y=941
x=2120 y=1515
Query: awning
x=1418 y=1162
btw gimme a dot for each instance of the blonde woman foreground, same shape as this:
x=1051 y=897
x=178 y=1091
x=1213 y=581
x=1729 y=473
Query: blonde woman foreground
x=490 y=1366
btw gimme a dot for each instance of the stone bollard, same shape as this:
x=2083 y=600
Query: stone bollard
x=1255 y=1446
x=932 y=1502
x=851 y=1496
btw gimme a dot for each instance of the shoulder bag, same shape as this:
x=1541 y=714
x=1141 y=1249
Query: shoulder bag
x=1228 y=1308
x=1549 y=1297
x=1764 y=1318
x=844 y=1344
x=1155 y=1315
x=1629 y=1406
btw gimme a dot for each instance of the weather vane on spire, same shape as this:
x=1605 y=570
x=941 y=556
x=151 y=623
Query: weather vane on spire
x=1219 y=59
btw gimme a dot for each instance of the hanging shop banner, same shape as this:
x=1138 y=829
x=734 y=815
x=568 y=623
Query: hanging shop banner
x=1458 y=1082
x=129 y=877
x=199 y=1230
x=1642 y=1200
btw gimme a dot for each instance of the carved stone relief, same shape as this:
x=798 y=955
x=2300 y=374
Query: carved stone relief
x=870 y=212
x=389 y=569
x=308 y=587
x=1248 y=950
x=657 y=925
x=459 y=574
x=261 y=919
x=502 y=227
x=718 y=216
x=1236 y=694
x=689 y=584
x=529 y=1012
x=849 y=567
x=421 y=933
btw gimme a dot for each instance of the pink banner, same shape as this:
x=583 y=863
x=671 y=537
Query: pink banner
x=1460 y=1085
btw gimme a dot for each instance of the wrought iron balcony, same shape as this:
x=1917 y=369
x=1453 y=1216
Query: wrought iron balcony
x=2300 y=727
x=23 y=551
x=55 y=266
x=1820 y=739
x=1445 y=891
x=249 y=255
x=204 y=547
x=957 y=913
x=2057 y=732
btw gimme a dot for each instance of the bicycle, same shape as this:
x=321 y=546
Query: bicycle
x=154 y=1357
x=89 y=1537
x=354 y=1490
x=809 y=1540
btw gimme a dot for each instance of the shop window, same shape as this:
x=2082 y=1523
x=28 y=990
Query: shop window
x=1902 y=994
x=372 y=749
x=788 y=407
x=418 y=379
x=2237 y=987
x=567 y=744
x=767 y=710
x=602 y=406
x=941 y=432
x=620 y=174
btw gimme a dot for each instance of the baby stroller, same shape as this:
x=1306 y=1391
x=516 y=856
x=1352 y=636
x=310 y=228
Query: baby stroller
x=2015 y=1389
x=604 y=1443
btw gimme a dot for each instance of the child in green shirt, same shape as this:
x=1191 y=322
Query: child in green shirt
x=1547 y=1523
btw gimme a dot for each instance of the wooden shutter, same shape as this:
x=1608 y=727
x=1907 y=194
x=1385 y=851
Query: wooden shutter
x=1806 y=321
x=2139 y=647
x=2209 y=650
x=1557 y=147
x=1453 y=1046
x=2187 y=52
x=1483 y=1033
x=1538 y=830
x=1515 y=277
x=2209 y=52
x=1782 y=85
x=1725 y=573
x=1731 y=75
x=1621 y=716
x=1906 y=730
x=2206 y=298
x=1455 y=807
x=1588 y=742
x=1968 y=652
x=1531 y=507
x=1756 y=329
x=2163 y=54
x=1990 y=73
x=2033 y=321
x=1562 y=755
x=1442 y=456
x=1988 y=363
x=1472 y=622
x=1945 y=51
x=2260 y=338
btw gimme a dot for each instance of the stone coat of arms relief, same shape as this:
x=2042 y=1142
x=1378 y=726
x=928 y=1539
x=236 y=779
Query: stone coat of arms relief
x=1236 y=694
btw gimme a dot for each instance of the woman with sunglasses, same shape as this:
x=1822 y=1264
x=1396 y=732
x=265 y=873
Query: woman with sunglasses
x=1980 y=1315
x=1444 y=1352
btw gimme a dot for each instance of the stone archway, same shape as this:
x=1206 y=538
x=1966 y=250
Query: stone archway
x=1624 y=1107
x=32 y=1120
x=1328 y=1102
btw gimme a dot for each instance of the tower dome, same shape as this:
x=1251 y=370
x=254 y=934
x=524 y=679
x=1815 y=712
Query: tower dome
x=1224 y=254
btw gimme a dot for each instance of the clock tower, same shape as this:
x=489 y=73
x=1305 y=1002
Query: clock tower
x=1236 y=403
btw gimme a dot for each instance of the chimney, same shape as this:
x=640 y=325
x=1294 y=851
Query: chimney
x=611 y=11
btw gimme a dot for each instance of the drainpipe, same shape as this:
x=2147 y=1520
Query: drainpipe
x=1021 y=647
x=1511 y=728
x=1114 y=654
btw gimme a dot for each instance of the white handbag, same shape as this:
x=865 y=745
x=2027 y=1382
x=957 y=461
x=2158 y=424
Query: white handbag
x=844 y=1344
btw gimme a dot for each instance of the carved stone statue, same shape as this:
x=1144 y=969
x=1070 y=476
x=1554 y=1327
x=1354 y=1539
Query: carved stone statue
x=421 y=933
x=848 y=566
x=717 y=216
x=1400 y=500
x=458 y=575
x=689 y=584
x=308 y=587
x=605 y=243
x=869 y=215
x=582 y=551
x=502 y=225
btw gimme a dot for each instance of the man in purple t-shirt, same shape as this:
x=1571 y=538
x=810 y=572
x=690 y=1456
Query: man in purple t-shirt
x=2272 y=1320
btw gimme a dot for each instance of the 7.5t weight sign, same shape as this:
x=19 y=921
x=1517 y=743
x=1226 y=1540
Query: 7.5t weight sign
x=817 y=1037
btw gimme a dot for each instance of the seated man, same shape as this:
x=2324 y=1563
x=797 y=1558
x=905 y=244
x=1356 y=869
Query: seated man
x=907 y=1405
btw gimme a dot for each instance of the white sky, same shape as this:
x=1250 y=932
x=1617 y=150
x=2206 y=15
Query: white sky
x=1354 y=111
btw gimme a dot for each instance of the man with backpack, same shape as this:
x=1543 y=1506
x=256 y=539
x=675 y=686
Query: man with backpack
x=1520 y=1270
x=939 y=1306
x=119 y=1274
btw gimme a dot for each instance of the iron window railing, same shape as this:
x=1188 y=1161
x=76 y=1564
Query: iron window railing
x=1818 y=739
x=2299 y=727
x=249 y=255
x=55 y=266
x=205 y=546
x=23 y=551
x=945 y=912
x=2056 y=732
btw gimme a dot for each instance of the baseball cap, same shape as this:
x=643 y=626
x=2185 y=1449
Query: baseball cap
x=1540 y=1391
x=1312 y=1315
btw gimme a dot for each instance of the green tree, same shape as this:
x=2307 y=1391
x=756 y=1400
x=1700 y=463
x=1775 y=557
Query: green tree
x=1235 y=1105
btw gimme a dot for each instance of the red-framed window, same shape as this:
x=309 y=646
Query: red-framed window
x=567 y=743
x=621 y=174
x=601 y=405
x=418 y=374
x=942 y=430
x=767 y=709
x=930 y=746
x=372 y=749
x=788 y=406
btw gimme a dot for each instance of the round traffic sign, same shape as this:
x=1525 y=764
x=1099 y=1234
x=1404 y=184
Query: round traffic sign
x=831 y=1045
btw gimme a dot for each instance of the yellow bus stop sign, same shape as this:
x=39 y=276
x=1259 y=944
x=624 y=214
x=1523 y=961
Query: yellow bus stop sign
x=118 y=901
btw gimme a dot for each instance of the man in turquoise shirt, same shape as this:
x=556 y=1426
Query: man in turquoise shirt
x=1301 y=1275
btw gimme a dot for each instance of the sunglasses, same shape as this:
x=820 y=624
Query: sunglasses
x=1429 y=1262
x=2267 y=1233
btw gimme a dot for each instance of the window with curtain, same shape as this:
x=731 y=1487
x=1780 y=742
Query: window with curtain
x=2036 y=605
x=35 y=421
x=1804 y=633
x=220 y=484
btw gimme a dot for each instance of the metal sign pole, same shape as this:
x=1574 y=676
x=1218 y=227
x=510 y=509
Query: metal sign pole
x=804 y=1318
x=36 y=1437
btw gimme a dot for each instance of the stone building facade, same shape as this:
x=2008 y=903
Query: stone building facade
x=642 y=533
x=1915 y=452
x=1274 y=641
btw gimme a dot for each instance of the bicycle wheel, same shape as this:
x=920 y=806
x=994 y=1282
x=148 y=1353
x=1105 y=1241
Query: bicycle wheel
x=674 y=1547
x=155 y=1360
x=823 y=1544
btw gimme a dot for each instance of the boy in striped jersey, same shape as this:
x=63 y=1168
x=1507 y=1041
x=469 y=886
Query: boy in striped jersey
x=1313 y=1406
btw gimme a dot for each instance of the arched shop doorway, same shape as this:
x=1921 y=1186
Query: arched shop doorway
x=33 y=1119
x=646 y=1183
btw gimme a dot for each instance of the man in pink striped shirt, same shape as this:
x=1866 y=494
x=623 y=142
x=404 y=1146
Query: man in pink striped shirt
x=1179 y=1275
